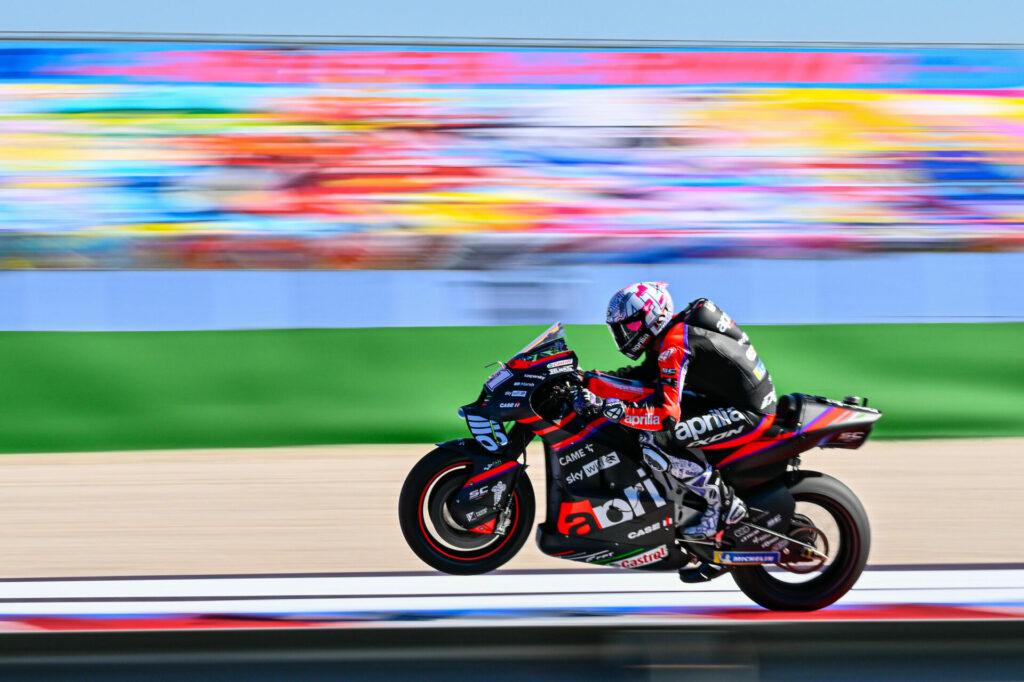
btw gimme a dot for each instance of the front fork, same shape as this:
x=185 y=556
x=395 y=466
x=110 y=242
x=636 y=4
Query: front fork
x=484 y=503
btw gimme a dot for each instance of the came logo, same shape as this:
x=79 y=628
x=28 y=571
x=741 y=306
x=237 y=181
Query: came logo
x=648 y=557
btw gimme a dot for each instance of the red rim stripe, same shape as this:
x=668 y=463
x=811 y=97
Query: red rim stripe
x=426 y=535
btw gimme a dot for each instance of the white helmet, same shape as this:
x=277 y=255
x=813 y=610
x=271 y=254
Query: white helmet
x=637 y=314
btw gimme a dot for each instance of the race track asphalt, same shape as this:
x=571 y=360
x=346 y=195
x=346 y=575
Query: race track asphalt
x=333 y=509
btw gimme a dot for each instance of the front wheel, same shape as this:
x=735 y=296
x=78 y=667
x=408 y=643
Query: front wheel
x=434 y=535
x=829 y=516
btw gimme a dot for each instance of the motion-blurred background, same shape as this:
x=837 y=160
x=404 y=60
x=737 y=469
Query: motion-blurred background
x=279 y=242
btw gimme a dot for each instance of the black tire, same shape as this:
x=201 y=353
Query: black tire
x=422 y=505
x=847 y=565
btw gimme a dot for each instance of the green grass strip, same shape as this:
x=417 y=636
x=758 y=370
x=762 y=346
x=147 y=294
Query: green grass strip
x=65 y=391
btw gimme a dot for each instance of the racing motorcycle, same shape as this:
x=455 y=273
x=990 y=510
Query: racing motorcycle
x=468 y=506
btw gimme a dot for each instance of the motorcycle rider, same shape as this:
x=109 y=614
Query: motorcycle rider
x=730 y=397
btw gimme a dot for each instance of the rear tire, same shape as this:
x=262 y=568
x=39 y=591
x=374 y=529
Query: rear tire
x=433 y=535
x=836 y=580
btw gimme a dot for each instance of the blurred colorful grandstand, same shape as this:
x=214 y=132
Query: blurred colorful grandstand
x=168 y=156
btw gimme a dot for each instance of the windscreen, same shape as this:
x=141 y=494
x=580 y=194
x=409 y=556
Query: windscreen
x=551 y=334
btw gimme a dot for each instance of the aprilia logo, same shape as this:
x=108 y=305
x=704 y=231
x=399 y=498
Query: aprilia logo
x=691 y=429
x=581 y=518
x=642 y=420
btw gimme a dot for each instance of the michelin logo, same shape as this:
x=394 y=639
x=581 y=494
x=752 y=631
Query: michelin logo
x=746 y=558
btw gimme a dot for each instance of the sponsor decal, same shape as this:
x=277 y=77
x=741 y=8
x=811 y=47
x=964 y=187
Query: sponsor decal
x=509 y=405
x=534 y=376
x=850 y=436
x=614 y=410
x=516 y=394
x=691 y=429
x=560 y=363
x=609 y=460
x=581 y=518
x=640 y=343
x=478 y=493
x=560 y=370
x=774 y=521
x=768 y=399
x=640 y=532
x=746 y=557
x=760 y=371
x=591 y=468
x=489 y=434
x=527 y=384
x=648 y=557
x=668 y=371
x=717 y=437
x=666 y=355
x=497 y=379
x=751 y=354
x=724 y=322
x=642 y=420
x=498 y=490
x=589 y=557
x=710 y=306
x=742 y=532
x=574 y=455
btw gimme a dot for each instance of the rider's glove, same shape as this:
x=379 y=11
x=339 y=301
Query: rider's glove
x=586 y=403
x=613 y=410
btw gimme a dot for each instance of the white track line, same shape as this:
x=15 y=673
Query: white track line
x=603 y=589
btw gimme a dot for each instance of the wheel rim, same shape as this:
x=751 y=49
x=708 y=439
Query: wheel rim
x=441 y=531
x=828 y=527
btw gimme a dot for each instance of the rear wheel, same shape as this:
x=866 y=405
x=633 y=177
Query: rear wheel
x=433 y=534
x=831 y=519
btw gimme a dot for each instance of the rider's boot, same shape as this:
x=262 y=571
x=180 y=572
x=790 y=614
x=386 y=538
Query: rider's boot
x=724 y=508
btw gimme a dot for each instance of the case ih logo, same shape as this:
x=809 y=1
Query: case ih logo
x=648 y=557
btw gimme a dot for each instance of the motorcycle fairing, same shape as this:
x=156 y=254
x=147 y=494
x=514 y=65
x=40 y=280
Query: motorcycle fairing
x=603 y=507
x=814 y=421
x=610 y=386
x=486 y=494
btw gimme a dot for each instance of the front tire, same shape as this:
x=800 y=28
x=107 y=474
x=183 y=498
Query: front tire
x=853 y=543
x=434 y=536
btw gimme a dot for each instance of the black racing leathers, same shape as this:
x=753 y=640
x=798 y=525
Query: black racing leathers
x=719 y=363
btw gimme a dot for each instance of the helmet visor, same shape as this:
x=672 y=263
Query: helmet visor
x=627 y=331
